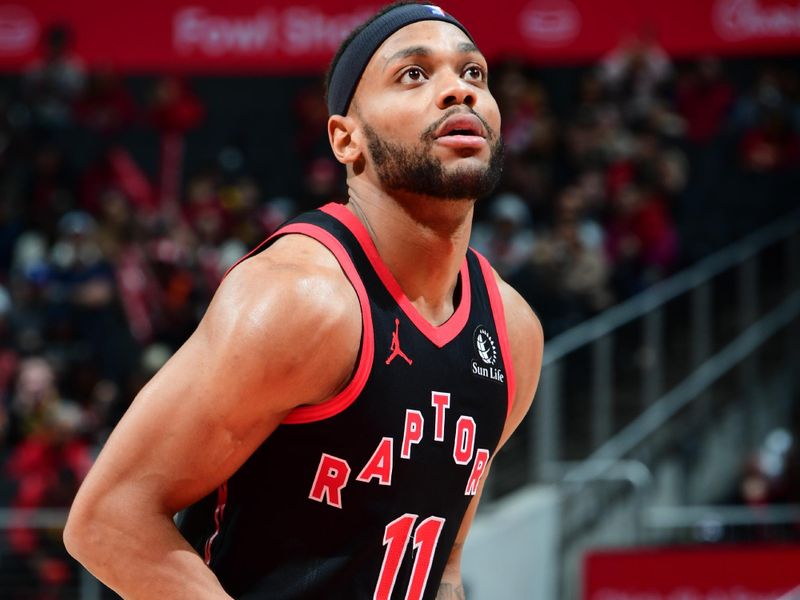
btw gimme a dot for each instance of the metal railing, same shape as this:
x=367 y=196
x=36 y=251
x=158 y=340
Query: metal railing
x=769 y=523
x=613 y=387
x=610 y=382
x=599 y=335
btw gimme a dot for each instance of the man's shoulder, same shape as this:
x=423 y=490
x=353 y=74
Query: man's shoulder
x=293 y=264
x=296 y=282
x=293 y=304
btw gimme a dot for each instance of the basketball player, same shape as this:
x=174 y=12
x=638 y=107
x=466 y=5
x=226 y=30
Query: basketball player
x=327 y=429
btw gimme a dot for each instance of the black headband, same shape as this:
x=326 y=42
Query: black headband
x=351 y=64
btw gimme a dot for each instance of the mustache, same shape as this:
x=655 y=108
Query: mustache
x=430 y=132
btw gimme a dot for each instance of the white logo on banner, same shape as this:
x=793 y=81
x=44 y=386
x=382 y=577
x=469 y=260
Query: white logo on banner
x=307 y=29
x=550 y=22
x=19 y=29
x=742 y=19
x=196 y=30
x=295 y=30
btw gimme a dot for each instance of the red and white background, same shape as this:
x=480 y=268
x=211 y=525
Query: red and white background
x=707 y=573
x=281 y=36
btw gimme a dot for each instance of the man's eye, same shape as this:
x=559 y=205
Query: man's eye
x=412 y=75
x=475 y=72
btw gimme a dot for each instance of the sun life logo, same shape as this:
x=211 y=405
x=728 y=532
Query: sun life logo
x=485 y=346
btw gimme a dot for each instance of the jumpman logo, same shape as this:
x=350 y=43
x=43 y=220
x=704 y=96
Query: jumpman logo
x=395 y=347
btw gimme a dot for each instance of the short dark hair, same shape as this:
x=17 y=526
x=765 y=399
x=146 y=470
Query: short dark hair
x=343 y=46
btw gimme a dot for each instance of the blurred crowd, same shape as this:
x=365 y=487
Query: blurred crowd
x=771 y=474
x=647 y=168
x=106 y=266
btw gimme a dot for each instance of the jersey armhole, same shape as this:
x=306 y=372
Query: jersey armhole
x=498 y=313
x=335 y=405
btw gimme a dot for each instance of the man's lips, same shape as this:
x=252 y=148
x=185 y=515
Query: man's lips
x=461 y=125
x=461 y=131
x=462 y=141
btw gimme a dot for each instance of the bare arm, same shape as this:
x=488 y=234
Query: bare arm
x=450 y=591
x=527 y=341
x=205 y=412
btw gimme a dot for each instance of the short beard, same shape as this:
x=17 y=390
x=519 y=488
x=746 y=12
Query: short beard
x=416 y=171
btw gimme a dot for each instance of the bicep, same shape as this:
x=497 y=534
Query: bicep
x=187 y=429
x=222 y=393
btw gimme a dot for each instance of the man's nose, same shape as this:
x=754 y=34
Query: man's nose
x=455 y=91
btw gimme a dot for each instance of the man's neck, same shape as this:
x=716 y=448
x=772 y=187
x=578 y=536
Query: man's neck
x=422 y=241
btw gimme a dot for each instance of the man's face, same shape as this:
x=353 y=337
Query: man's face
x=430 y=124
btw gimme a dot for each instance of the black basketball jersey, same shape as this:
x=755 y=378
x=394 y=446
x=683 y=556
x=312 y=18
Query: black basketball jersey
x=362 y=496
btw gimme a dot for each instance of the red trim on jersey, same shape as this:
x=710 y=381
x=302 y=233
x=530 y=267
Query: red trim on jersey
x=439 y=335
x=329 y=408
x=219 y=512
x=252 y=252
x=500 y=324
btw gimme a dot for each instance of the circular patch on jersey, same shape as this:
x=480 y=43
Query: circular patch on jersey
x=484 y=345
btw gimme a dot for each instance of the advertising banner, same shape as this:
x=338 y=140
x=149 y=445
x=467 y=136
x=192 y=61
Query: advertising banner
x=282 y=36
x=706 y=573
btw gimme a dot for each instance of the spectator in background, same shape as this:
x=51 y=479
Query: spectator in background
x=82 y=302
x=768 y=119
x=670 y=175
x=532 y=179
x=596 y=138
x=591 y=186
x=641 y=238
x=28 y=278
x=528 y=125
x=766 y=94
x=9 y=357
x=12 y=224
x=120 y=236
x=45 y=468
x=105 y=107
x=507 y=239
x=116 y=169
x=703 y=97
x=634 y=74
x=769 y=145
x=772 y=145
x=531 y=135
x=594 y=99
x=310 y=119
x=322 y=183
x=50 y=188
x=53 y=82
x=203 y=209
x=769 y=477
x=275 y=212
x=241 y=200
x=174 y=110
x=173 y=260
x=570 y=265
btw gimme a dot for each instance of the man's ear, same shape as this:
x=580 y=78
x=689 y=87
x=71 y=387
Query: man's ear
x=343 y=135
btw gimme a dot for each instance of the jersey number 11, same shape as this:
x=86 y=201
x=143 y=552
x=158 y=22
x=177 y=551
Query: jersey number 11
x=395 y=538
